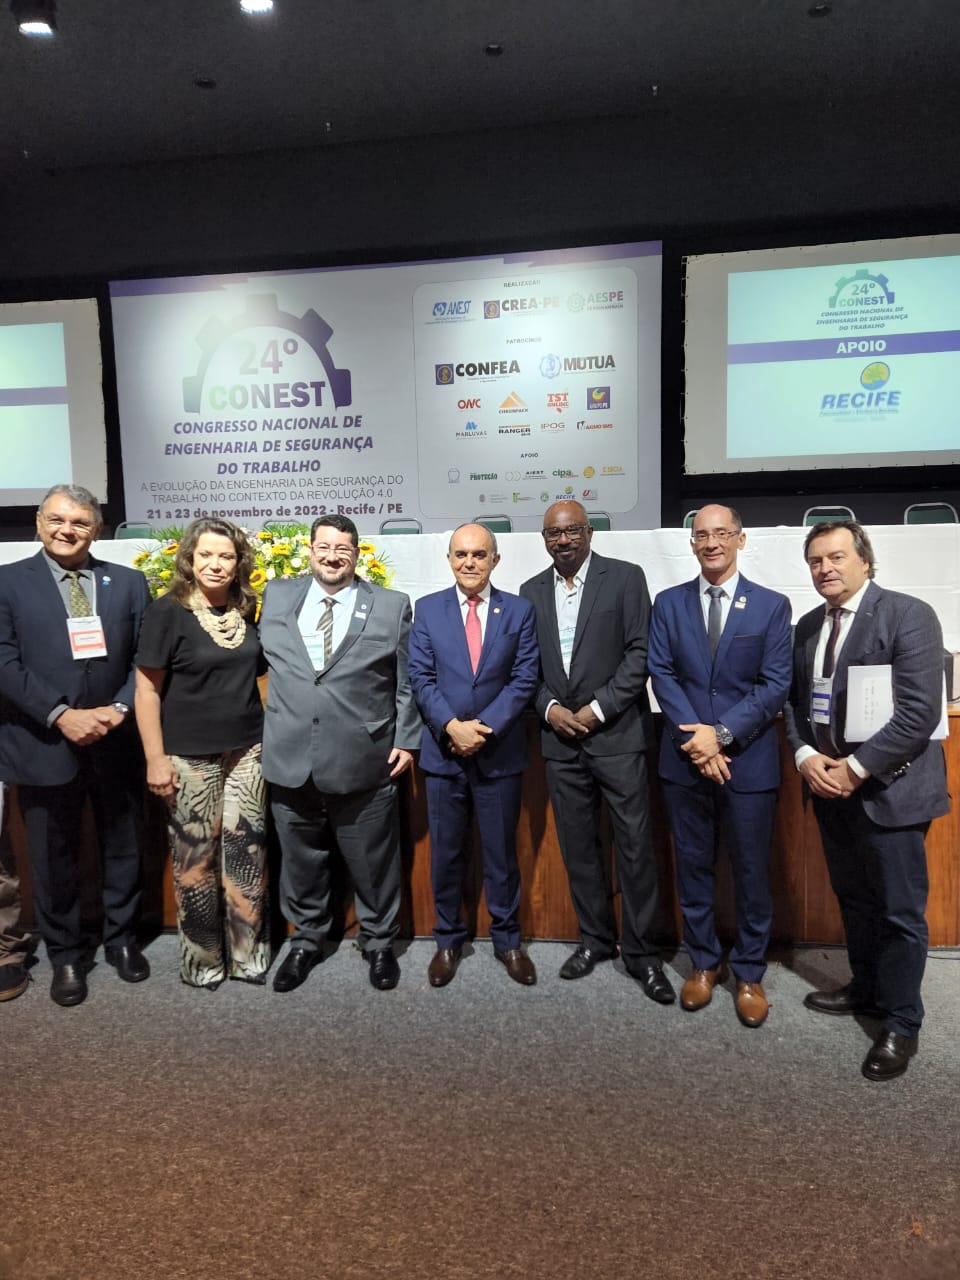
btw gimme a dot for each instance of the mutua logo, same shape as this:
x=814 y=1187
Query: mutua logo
x=469 y=404
x=551 y=366
x=598 y=397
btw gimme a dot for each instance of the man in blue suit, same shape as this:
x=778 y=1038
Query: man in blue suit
x=873 y=800
x=473 y=668
x=68 y=632
x=720 y=662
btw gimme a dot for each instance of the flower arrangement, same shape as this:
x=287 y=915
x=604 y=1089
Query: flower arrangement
x=282 y=551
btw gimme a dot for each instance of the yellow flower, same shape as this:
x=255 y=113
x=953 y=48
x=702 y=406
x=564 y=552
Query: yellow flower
x=166 y=573
x=257 y=578
x=264 y=535
x=376 y=566
x=171 y=548
x=281 y=548
x=366 y=549
x=138 y=560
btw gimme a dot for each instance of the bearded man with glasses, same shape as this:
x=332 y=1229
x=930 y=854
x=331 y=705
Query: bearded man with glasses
x=340 y=728
x=593 y=616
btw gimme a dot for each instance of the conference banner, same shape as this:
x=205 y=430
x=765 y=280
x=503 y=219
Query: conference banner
x=426 y=391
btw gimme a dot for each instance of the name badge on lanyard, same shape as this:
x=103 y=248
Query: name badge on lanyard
x=86 y=637
x=821 y=695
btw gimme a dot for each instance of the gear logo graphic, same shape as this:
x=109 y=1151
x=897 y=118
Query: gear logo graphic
x=860 y=286
x=262 y=312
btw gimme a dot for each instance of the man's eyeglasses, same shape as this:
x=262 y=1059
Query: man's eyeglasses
x=573 y=531
x=58 y=522
x=721 y=535
x=342 y=553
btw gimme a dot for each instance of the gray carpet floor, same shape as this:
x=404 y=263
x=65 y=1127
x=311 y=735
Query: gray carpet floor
x=569 y=1130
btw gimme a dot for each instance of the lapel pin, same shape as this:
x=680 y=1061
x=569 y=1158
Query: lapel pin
x=496 y=611
x=741 y=603
x=105 y=580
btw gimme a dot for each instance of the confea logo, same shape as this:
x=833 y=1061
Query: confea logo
x=598 y=397
x=491 y=309
x=444 y=374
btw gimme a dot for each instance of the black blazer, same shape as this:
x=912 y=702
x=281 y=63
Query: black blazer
x=908 y=774
x=609 y=659
x=37 y=670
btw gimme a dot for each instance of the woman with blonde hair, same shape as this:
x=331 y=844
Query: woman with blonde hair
x=201 y=723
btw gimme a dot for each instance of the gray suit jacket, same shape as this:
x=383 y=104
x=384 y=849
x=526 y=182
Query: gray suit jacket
x=338 y=725
x=908 y=775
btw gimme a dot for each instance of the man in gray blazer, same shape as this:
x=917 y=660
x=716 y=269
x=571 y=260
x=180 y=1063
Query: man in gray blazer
x=340 y=727
x=593 y=620
x=873 y=800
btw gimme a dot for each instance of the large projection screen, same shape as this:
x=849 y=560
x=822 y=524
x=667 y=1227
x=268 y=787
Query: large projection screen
x=825 y=356
x=51 y=399
x=434 y=390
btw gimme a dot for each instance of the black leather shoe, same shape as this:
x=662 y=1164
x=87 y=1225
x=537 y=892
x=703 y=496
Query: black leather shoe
x=841 y=1003
x=129 y=961
x=384 y=970
x=582 y=962
x=14 y=981
x=295 y=969
x=890 y=1056
x=443 y=966
x=654 y=982
x=69 y=985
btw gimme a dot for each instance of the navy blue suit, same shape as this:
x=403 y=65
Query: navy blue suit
x=446 y=688
x=873 y=840
x=743 y=687
x=38 y=673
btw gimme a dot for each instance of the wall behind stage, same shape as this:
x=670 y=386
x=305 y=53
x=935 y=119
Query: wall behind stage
x=582 y=183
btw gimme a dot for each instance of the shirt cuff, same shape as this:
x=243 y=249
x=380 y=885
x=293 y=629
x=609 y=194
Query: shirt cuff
x=56 y=713
x=595 y=708
x=804 y=753
x=552 y=703
x=858 y=768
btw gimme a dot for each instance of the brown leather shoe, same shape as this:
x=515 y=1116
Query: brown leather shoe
x=697 y=991
x=443 y=965
x=752 y=1004
x=519 y=966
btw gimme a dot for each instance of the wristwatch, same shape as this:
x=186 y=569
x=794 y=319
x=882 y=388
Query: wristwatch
x=724 y=736
x=121 y=708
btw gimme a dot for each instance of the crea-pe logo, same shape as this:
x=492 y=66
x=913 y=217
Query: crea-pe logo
x=444 y=374
x=491 y=309
x=598 y=397
x=874 y=398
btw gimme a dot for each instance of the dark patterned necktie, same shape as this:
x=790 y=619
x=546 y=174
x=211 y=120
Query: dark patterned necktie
x=325 y=627
x=79 y=604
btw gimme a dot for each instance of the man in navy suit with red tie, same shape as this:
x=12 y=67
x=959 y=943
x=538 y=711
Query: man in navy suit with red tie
x=473 y=667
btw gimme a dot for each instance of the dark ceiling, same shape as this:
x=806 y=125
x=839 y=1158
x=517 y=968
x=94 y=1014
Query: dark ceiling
x=118 y=83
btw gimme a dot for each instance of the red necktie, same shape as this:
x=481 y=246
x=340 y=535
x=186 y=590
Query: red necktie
x=474 y=638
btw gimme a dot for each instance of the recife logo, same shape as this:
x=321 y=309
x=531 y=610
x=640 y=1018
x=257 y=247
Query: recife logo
x=875 y=398
x=875 y=374
x=598 y=397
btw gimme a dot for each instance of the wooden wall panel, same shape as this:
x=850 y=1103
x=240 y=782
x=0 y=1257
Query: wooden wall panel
x=805 y=909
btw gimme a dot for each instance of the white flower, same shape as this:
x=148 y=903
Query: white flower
x=296 y=562
x=270 y=572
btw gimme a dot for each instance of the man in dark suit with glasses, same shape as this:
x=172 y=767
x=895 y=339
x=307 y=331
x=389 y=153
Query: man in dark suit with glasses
x=593 y=616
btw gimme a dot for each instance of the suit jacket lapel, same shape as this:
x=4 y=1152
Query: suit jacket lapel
x=735 y=620
x=362 y=608
x=548 y=596
x=291 y=621
x=591 y=591
x=697 y=628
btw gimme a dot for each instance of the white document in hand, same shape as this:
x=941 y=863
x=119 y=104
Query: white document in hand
x=870 y=703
